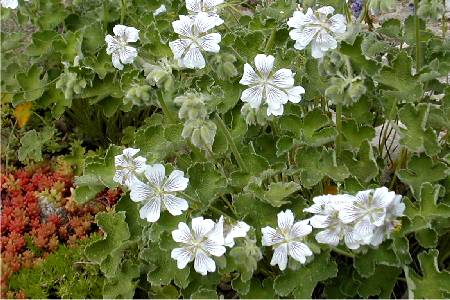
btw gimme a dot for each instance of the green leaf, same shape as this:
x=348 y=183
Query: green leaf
x=363 y=165
x=317 y=129
x=315 y=163
x=31 y=147
x=205 y=182
x=278 y=191
x=302 y=282
x=398 y=77
x=359 y=62
x=31 y=84
x=124 y=284
x=433 y=284
x=116 y=232
x=422 y=169
x=355 y=134
x=381 y=283
x=366 y=263
x=417 y=136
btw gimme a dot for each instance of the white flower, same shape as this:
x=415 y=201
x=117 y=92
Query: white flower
x=160 y=10
x=316 y=28
x=287 y=239
x=195 y=7
x=118 y=45
x=326 y=209
x=9 y=3
x=205 y=239
x=232 y=231
x=367 y=211
x=160 y=191
x=274 y=89
x=194 y=39
x=128 y=166
x=394 y=210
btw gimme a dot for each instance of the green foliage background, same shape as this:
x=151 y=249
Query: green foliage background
x=56 y=59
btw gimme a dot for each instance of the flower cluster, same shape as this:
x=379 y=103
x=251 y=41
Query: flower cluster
x=38 y=204
x=149 y=185
x=204 y=239
x=117 y=45
x=365 y=219
x=274 y=88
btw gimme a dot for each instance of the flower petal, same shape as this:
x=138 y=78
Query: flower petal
x=210 y=42
x=213 y=248
x=253 y=96
x=119 y=30
x=271 y=236
x=351 y=240
x=182 y=256
x=183 y=26
x=141 y=192
x=176 y=182
x=200 y=227
x=382 y=197
x=249 y=77
x=316 y=51
x=132 y=34
x=338 y=24
x=275 y=96
x=276 y=110
x=203 y=22
x=326 y=10
x=193 y=59
x=294 y=94
x=283 y=78
x=319 y=221
x=128 y=54
x=300 y=229
x=155 y=174
x=238 y=230
x=182 y=234
x=130 y=152
x=325 y=41
x=264 y=64
x=299 y=251
x=179 y=46
x=285 y=220
x=305 y=36
x=175 y=205
x=116 y=61
x=194 y=5
x=203 y=264
x=280 y=257
x=151 y=210
x=328 y=236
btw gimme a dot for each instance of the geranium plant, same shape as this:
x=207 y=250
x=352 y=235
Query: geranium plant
x=265 y=148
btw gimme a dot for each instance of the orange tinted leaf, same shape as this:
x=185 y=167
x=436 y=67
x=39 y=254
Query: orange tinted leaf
x=22 y=113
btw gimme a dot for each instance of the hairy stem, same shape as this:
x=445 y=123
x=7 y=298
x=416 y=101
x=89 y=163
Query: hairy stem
x=270 y=41
x=417 y=34
x=343 y=252
x=122 y=11
x=339 y=128
x=230 y=141
x=165 y=109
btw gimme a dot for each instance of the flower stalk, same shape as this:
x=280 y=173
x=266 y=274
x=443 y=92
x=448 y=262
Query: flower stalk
x=165 y=109
x=230 y=141
x=417 y=34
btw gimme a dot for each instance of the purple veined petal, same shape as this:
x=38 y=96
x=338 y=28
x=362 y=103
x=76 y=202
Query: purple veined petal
x=285 y=220
x=175 y=205
x=338 y=24
x=326 y=10
x=216 y=234
x=116 y=61
x=275 y=96
x=280 y=257
x=238 y=230
x=193 y=59
x=300 y=229
x=297 y=20
x=130 y=152
x=325 y=41
x=210 y=5
x=140 y=164
x=202 y=23
x=351 y=240
x=305 y=36
x=283 y=79
x=194 y=5
x=382 y=197
x=179 y=47
x=141 y=192
x=182 y=256
x=182 y=234
x=253 y=96
x=128 y=54
x=119 y=30
x=176 y=182
x=364 y=229
x=203 y=264
x=200 y=227
x=183 y=26
x=213 y=248
x=328 y=236
x=378 y=236
x=299 y=251
x=151 y=210
x=264 y=64
x=249 y=77
x=119 y=176
x=155 y=174
x=210 y=42
x=271 y=236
